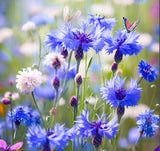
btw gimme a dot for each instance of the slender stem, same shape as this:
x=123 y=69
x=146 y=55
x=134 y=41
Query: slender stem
x=140 y=80
x=12 y=124
x=152 y=98
x=39 y=111
x=40 y=50
x=134 y=147
x=96 y=148
x=78 y=63
x=56 y=98
x=76 y=107
x=69 y=62
x=103 y=80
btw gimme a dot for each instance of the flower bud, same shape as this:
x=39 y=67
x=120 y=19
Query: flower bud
x=17 y=122
x=56 y=64
x=120 y=111
x=78 y=79
x=53 y=111
x=11 y=81
x=73 y=101
x=78 y=54
x=7 y=94
x=119 y=72
x=6 y=101
x=118 y=57
x=97 y=140
x=114 y=67
x=64 y=53
x=55 y=83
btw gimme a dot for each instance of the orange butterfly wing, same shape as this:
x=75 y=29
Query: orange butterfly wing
x=2 y=110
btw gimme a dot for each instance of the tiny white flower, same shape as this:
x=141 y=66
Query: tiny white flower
x=5 y=33
x=15 y=96
x=54 y=60
x=28 y=26
x=28 y=79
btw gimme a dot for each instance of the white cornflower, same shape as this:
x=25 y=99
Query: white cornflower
x=54 y=60
x=28 y=79
x=28 y=26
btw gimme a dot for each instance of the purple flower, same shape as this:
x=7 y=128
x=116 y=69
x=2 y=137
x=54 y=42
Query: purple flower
x=102 y=22
x=115 y=94
x=70 y=38
x=147 y=123
x=3 y=146
x=85 y=128
x=147 y=71
x=38 y=137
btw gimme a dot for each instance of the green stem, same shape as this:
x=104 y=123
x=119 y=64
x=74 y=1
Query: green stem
x=96 y=148
x=56 y=98
x=152 y=98
x=64 y=83
x=40 y=50
x=39 y=111
x=76 y=107
x=78 y=63
x=134 y=147
x=140 y=80
x=12 y=125
x=101 y=69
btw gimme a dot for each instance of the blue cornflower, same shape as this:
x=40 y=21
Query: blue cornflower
x=115 y=94
x=21 y=116
x=38 y=137
x=101 y=21
x=85 y=128
x=124 y=43
x=41 y=19
x=147 y=123
x=147 y=71
x=70 y=38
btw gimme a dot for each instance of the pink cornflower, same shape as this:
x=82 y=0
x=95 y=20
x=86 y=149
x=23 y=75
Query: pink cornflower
x=28 y=79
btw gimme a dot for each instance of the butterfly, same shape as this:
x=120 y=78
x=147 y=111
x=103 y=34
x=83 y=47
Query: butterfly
x=129 y=26
x=68 y=17
x=3 y=146
x=2 y=109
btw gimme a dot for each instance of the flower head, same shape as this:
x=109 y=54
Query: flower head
x=21 y=116
x=146 y=71
x=85 y=128
x=147 y=123
x=28 y=79
x=115 y=94
x=38 y=137
x=125 y=43
x=70 y=38
x=55 y=60
x=101 y=21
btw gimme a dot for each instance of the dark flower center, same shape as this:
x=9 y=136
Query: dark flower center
x=84 y=38
x=120 y=93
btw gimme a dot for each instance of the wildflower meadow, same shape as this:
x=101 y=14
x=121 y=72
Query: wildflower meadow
x=79 y=75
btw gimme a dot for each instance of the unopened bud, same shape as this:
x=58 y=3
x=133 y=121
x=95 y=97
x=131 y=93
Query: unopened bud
x=56 y=64
x=6 y=101
x=78 y=79
x=64 y=53
x=53 y=111
x=119 y=72
x=118 y=57
x=73 y=101
x=97 y=140
x=114 y=67
x=120 y=111
x=78 y=54
x=8 y=94
x=56 y=83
